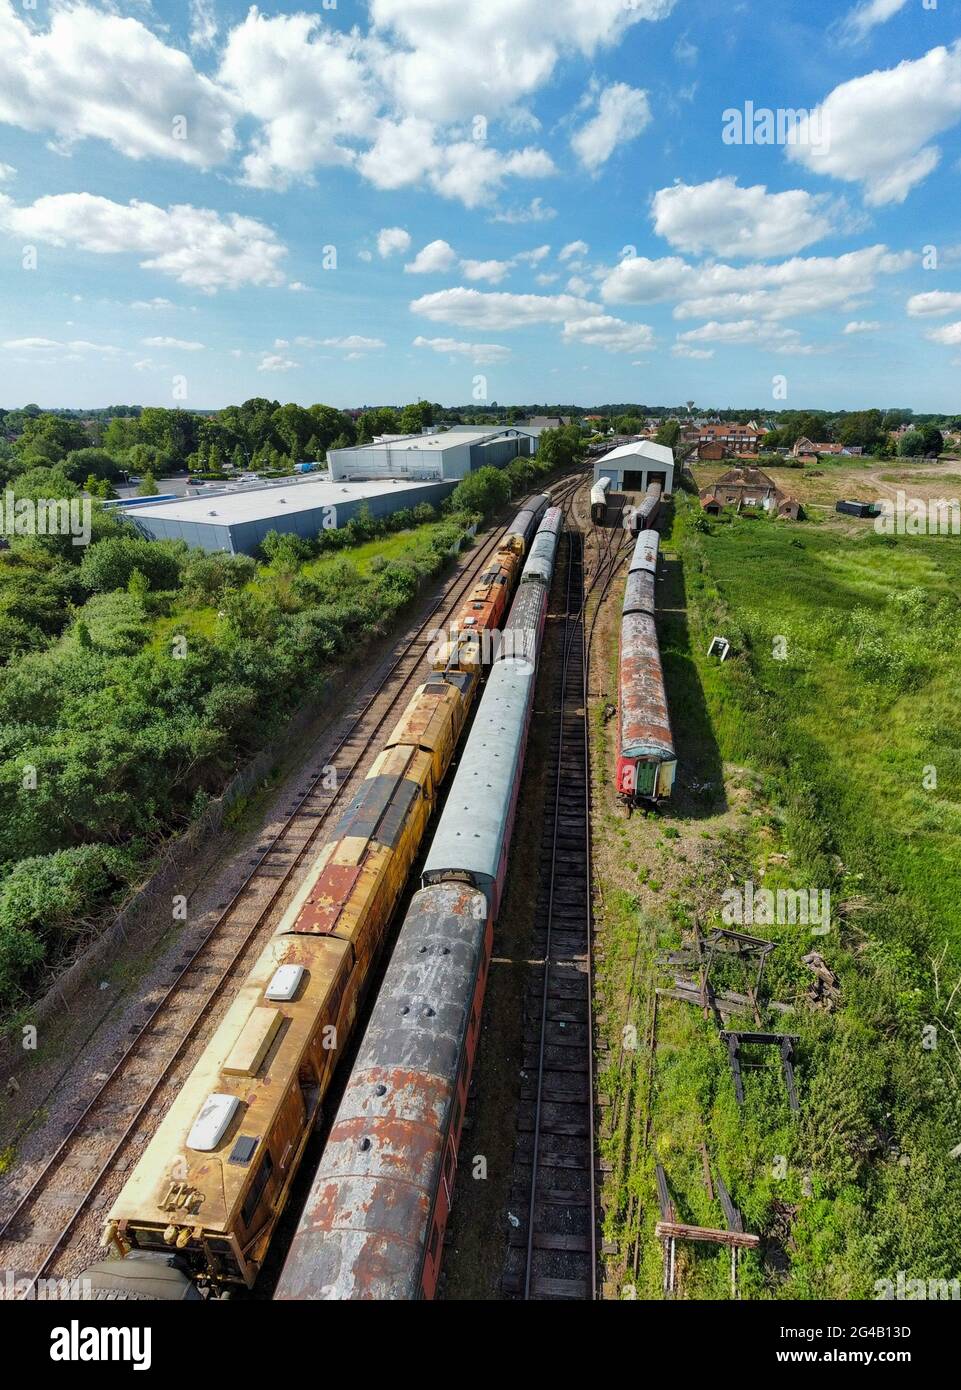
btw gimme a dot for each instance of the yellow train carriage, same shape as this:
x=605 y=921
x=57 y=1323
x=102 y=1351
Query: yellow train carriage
x=216 y=1175
x=484 y=610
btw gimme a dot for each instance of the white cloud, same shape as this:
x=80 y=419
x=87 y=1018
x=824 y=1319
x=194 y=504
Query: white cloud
x=391 y=239
x=603 y=330
x=534 y=257
x=203 y=24
x=298 y=287
x=157 y=303
x=685 y=350
x=99 y=75
x=353 y=343
x=31 y=344
x=7 y=171
x=481 y=354
x=77 y=347
x=622 y=114
x=272 y=362
x=859 y=22
x=453 y=61
x=578 y=285
x=499 y=309
x=934 y=303
x=723 y=219
x=545 y=278
x=573 y=248
x=309 y=87
x=198 y=247
x=685 y=51
x=535 y=211
x=409 y=152
x=435 y=257
x=181 y=344
x=748 y=331
x=878 y=130
x=491 y=271
x=801 y=285
x=949 y=334
x=862 y=326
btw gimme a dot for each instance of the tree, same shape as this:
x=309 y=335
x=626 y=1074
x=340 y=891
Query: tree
x=148 y=486
x=862 y=427
x=483 y=491
x=933 y=440
x=560 y=448
x=293 y=426
x=51 y=436
x=85 y=463
x=668 y=432
x=911 y=444
x=414 y=418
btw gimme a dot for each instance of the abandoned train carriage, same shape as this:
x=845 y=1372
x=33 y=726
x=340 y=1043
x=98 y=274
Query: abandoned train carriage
x=642 y=518
x=373 y=1225
x=646 y=762
x=599 y=500
x=212 y=1183
x=216 y=1175
x=484 y=608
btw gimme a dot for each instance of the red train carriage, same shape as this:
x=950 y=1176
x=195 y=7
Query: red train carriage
x=646 y=762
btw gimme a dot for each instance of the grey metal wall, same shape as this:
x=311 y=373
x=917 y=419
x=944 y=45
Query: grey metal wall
x=245 y=536
x=497 y=453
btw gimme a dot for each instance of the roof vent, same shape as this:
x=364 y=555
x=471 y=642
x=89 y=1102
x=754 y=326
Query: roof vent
x=212 y=1123
x=285 y=983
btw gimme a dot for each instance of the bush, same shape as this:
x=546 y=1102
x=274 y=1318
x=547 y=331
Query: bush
x=482 y=492
x=285 y=550
x=46 y=899
x=110 y=563
x=206 y=576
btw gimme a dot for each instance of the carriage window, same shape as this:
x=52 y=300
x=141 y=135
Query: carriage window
x=252 y=1200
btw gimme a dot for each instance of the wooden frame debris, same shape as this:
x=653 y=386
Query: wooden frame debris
x=669 y=1230
x=783 y=1041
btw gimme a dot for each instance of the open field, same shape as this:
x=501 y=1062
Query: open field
x=819 y=486
x=821 y=756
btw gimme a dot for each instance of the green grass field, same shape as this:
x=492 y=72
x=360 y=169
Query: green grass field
x=837 y=717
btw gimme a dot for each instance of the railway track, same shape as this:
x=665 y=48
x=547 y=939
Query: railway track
x=553 y=1249
x=116 y=1112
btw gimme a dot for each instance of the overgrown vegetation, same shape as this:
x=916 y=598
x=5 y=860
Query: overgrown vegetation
x=838 y=725
x=139 y=674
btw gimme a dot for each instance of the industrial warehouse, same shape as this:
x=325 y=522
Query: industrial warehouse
x=451 y=454
x=237 y=522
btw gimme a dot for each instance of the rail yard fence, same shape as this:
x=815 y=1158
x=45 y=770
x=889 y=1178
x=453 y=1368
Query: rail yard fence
x=149 y=908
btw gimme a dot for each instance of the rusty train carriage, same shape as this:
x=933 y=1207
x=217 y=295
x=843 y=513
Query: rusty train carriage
x=484 y=609
x=647 y=762
x=642 y=518
x=216 y=1175
x=374 y=1221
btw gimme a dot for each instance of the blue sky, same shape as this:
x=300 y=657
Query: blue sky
x=201 y=202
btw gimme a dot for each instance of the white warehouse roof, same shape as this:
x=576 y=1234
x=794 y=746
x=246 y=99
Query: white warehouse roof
x=644 y=448
x=261 y=503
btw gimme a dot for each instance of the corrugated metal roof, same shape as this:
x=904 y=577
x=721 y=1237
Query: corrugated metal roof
x=230 y=509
